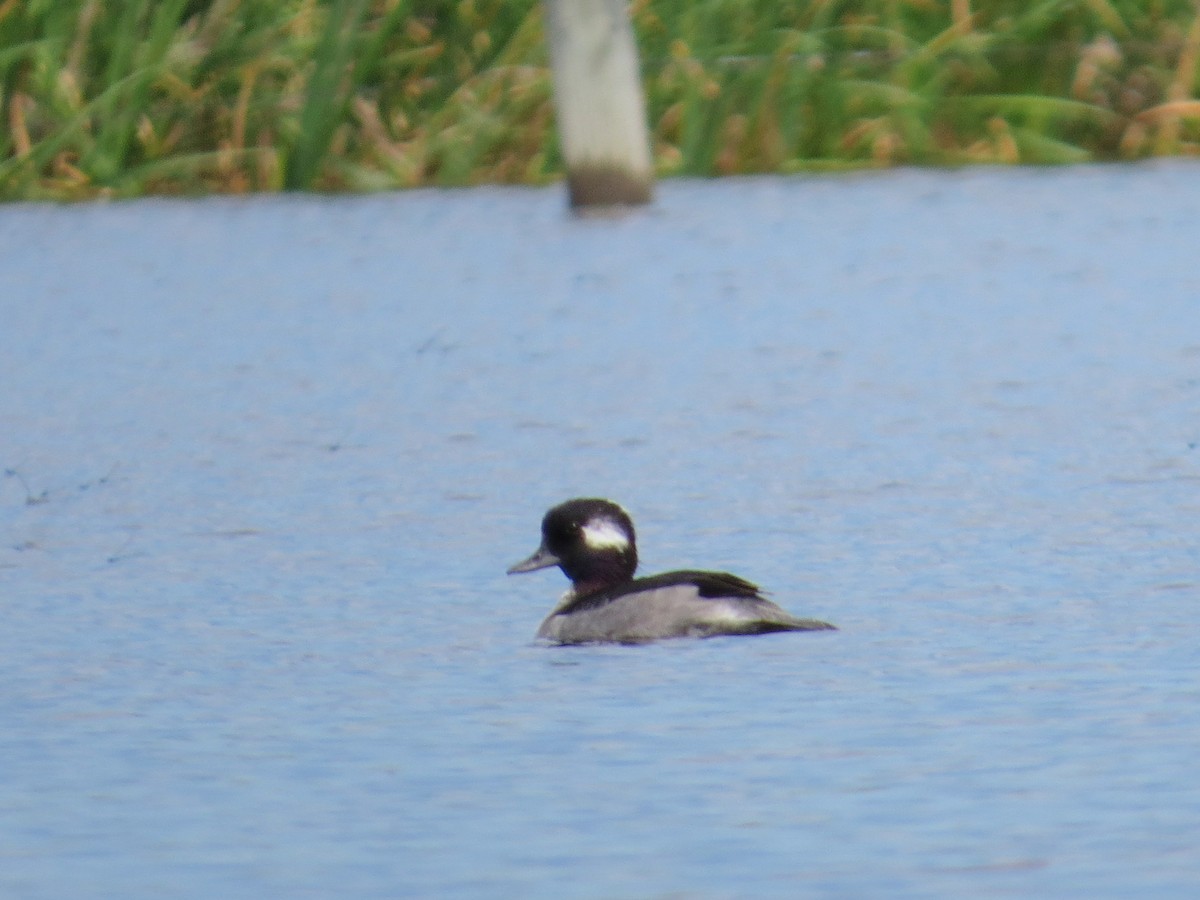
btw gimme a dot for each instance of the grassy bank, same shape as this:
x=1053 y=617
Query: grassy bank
x=194 y=96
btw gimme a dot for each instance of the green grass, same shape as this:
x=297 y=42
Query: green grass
x=197 y=96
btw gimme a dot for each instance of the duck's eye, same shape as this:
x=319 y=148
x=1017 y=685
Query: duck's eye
x=563 y=532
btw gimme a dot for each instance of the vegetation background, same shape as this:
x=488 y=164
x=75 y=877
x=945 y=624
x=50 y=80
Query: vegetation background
x=104 y=98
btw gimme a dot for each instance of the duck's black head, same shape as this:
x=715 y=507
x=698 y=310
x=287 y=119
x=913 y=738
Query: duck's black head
x=591 y=540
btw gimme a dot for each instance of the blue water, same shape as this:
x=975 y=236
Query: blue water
x=265 y=462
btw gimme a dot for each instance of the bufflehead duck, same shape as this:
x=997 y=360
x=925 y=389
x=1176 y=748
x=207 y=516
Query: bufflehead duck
x=593 y=542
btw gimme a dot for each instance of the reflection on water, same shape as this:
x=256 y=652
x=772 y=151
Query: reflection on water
x=265 y=463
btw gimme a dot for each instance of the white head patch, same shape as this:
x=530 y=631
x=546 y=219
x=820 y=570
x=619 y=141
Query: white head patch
x=605 y=534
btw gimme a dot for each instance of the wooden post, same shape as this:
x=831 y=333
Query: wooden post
x=599 y=103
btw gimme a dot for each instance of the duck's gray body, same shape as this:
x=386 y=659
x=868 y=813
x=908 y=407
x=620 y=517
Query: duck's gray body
x=593 y=542
x=670 y=611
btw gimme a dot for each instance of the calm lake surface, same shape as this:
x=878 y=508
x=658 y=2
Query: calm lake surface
x=266 y=461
